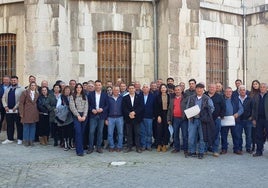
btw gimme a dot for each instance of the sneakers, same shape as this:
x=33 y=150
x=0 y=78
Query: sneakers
x=7 y=141
x=215 y=154
x=19 y=142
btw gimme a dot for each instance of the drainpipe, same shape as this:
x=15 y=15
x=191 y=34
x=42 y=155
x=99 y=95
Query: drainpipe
x=154 y=2
x=244 y=45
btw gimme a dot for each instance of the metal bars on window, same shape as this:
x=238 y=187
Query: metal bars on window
x=114 y=56
x=216 y=60
x=7 y=54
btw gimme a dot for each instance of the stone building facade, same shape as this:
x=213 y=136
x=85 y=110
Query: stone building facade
x=59 y=39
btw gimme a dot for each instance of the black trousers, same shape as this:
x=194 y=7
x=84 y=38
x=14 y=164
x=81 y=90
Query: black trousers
x=43 y=125
x=262 y=125
x=67 y=131
x=3 y=114
x=162 y=132
x=11 y=119
x=133 y=130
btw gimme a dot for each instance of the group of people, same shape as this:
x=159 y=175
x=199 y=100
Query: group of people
x=91 y=116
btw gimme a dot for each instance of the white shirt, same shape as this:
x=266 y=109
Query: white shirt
x=32 y=95
x=97 y=97
x=132 y=99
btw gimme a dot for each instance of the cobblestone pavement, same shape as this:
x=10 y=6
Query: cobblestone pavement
x=48 y=166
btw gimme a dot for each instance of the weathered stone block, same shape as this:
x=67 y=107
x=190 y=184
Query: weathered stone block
x=175 y=4
x=30 y=2
x=193 y=4
x=81 y=44
x=60 y=2
x=194 y=16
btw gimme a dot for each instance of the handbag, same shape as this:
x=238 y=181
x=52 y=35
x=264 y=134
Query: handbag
x=61 y=113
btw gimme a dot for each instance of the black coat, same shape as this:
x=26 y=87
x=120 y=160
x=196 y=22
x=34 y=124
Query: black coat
x=138 y=108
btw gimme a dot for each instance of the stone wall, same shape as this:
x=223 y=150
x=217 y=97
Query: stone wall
x=257 y=45
x=57 y=39
x=98 y=16
x=12 y=21
x=178 y=39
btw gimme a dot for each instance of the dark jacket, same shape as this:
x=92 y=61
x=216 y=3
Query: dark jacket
x=103 y=104
x=138 y=108
x=47 y=105
x=159 y=105
x=255 y=106
x=247 y=105
x=2 y=91
x=237 y=108
x=149 y=106
x=205 y=116
x=219 y=105
x=171 y=108
x=115 y=107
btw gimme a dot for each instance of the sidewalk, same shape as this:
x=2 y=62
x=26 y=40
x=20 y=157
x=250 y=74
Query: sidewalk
x=48 y=166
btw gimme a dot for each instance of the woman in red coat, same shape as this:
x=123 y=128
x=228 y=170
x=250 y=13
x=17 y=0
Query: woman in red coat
x=29 y=113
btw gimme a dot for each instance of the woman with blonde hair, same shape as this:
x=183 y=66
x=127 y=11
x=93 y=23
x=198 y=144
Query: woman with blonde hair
x=29 y=113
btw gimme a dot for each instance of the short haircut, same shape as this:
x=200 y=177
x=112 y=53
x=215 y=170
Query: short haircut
x=97 y=81
x=238 y=80
x=14 y=77
x=131 y=84
x=192 y=80
x=170 y=78
x=241 y=87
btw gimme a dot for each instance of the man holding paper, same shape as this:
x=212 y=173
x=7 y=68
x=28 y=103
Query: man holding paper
x=195 y=131
x=231 y=120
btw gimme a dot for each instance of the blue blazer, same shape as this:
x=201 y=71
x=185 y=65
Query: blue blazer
x=103 y=104
x=149 y=107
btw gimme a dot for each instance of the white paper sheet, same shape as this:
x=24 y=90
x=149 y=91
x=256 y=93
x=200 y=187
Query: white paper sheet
x=10 y=111
x=228 y=121
x=191 y=112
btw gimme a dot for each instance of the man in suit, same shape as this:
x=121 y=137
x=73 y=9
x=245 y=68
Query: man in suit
x=133 y=106
x=98 y=107
x=146 y=129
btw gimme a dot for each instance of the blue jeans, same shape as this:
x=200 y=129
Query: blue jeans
x=194 y=130
x=235 y=136
x=29 y=131
x=177 y=124
x=95 y=123
x=216 y=144
x=118 y=123
x=79 y=128
x=146 y=131
x=247 y=126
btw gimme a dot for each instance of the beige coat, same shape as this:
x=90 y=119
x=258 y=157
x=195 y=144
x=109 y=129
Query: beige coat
x=28 y=107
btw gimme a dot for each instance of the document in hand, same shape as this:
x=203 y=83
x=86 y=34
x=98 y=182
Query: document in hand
x=191 y=112
x=228 y=121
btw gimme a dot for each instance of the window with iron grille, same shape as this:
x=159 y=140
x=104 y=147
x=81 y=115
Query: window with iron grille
x=216 y=60
x=7 y=55
x=114 y=56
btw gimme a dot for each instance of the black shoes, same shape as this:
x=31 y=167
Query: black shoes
x=89 y=151
x=257 y=154
x=138 y=150
x=128 y=150
x=200 y=156
x=192 y=155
